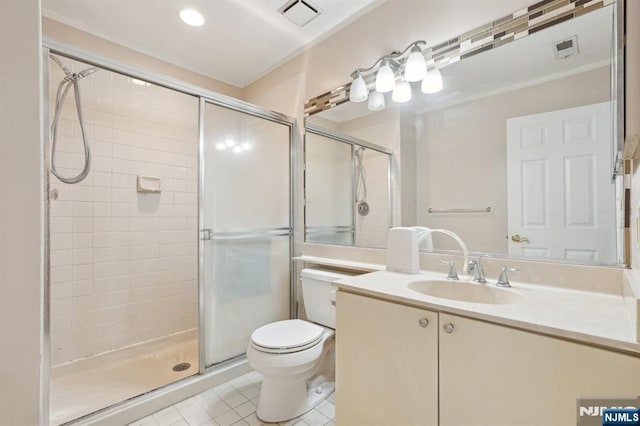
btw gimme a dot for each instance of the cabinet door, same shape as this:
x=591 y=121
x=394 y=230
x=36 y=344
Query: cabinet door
x=386 y=363
x=494 y=375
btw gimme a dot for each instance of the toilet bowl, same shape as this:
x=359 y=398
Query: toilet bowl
x=296 y=357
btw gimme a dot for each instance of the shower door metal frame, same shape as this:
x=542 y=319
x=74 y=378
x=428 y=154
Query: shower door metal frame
x=50 y=45
x=276 y=118
x=45 y=339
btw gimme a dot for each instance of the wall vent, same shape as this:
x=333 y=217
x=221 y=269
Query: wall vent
x=565 y=48
x=300 y=12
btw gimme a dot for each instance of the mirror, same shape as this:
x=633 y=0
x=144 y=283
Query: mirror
x=517 y=153
x=347 y=189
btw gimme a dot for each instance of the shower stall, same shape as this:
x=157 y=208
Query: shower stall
x=169 y=232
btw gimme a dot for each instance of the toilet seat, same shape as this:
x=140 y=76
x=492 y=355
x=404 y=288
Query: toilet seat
x=287 y=336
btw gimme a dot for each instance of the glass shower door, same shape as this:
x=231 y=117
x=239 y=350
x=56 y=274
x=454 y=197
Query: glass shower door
x=245 y=228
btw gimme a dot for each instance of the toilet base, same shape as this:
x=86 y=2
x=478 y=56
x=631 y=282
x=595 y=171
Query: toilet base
x=282 y=400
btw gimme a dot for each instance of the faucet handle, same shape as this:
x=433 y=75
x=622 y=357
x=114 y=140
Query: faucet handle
x=453 y=273
x=503 y=279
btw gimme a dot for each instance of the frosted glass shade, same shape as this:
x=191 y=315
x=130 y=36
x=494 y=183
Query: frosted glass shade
x=415 y=69
x=385 y=80
x=432 y=83
x=358 y=91
x=402 y=92
x=376 y=101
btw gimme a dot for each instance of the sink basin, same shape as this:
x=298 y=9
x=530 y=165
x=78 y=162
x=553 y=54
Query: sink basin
x=466 y=292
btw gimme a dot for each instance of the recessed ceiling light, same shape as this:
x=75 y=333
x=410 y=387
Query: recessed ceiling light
x=192 y=17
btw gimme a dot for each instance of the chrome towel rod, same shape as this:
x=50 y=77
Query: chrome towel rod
x=484 y=210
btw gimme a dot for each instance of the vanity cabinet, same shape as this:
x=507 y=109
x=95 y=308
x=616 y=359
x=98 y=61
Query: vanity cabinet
x=386 y=363
x=491 y=374
x=458 y=371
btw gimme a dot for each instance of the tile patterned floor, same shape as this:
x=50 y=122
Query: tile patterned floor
x=232 y=403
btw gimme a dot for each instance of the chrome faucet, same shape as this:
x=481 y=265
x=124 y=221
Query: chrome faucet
x=477 y=268
x=503 y=279
x=422 y=232
x=453 y=273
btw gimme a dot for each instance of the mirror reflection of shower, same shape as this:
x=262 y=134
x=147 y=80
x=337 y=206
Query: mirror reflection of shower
x=361 y=184
x=70 y=81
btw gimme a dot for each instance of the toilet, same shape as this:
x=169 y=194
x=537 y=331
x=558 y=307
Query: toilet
x=296 y=357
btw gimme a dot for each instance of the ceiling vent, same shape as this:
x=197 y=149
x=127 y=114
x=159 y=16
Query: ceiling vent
x=565 y=48
x=300 y=12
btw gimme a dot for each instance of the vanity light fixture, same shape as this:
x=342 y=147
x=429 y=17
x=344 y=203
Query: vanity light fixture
x=376 y=101
x=416 y=67
x=192 y=17
x=359 y=92
x=385 y=78
x=432 y=83
x=394 y=73
x=402 y=92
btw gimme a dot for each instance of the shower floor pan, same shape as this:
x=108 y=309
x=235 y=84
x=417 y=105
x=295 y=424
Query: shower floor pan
x=85 y=386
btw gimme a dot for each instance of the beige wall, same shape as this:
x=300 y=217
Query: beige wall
x=20 y=214
x=462 y=155
x=99 y=46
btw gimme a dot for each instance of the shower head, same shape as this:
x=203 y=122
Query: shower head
x=69 y=74
x=65 y=68
x=88 y=71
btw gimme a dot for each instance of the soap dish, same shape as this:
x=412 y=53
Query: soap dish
x=148 y=184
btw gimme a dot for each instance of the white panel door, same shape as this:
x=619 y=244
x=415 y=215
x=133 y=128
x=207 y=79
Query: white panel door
x=560 y=195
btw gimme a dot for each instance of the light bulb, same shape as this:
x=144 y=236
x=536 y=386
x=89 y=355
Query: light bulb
x=358 y=91
x=220 y=146
x=237 y=149
x=415 y=69
x=376 y=101
x=246 y=146
x=402 y=92
x=230 y=142
x=192 y=17
x=432 y=83
x=385 y=80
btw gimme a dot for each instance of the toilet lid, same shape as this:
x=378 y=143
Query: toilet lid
x=287 y=336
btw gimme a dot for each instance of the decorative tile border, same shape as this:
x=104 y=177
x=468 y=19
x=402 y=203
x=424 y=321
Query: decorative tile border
x=519 y=24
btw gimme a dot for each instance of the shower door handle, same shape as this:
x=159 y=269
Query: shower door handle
x=207 y=234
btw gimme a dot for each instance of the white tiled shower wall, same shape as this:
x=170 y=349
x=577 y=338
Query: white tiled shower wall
x=372 y=229
x=123 y=263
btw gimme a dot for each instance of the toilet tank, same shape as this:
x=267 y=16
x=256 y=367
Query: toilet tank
x=319 y=294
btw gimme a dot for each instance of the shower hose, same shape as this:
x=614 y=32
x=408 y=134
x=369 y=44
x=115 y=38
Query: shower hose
x=70 y=80
x=361 y=177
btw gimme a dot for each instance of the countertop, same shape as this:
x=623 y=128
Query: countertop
x=594 y=318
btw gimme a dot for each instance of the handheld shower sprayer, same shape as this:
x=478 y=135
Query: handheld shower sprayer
x=361 y=184
x=70 y=80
